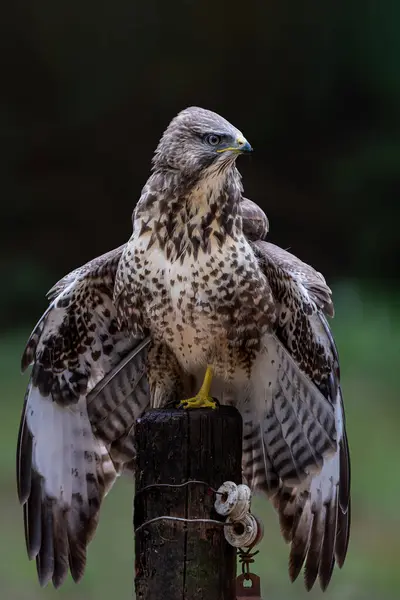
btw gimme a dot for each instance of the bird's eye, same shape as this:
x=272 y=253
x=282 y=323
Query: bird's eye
x=213 y=139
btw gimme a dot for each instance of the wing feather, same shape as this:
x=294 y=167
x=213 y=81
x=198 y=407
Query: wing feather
x=305 y=275
x=303 y=433
x=64 y=460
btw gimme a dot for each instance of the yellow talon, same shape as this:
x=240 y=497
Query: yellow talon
x=203 y=398
x=198 y=402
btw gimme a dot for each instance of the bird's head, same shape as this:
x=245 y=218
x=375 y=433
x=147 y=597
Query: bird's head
x=199 y=141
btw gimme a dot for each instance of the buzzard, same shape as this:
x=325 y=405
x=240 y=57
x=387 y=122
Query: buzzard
x=196 y=305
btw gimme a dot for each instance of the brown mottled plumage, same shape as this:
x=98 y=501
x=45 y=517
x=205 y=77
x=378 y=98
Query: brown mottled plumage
x=196 y=284
x=64 y=464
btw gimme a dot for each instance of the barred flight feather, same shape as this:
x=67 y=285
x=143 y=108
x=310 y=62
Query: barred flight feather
x=65 y=462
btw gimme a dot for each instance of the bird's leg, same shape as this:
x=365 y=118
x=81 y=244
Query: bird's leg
x=202 y=398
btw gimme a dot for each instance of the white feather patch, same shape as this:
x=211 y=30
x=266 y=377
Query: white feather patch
x=62 y=442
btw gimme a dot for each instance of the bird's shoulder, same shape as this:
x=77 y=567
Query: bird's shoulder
x=102 y=267
x=294 y=276
x=78 y=330
x=302 y=299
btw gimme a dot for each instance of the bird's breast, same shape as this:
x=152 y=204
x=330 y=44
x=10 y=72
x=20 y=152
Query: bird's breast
x=203 y=307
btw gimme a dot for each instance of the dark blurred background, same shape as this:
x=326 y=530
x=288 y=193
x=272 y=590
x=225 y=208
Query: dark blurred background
x=86 y=91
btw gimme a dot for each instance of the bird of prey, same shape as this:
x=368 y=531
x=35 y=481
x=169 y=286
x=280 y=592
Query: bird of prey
x=196 y=305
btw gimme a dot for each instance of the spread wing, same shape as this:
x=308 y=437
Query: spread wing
x=73 y=434
x=307 y=410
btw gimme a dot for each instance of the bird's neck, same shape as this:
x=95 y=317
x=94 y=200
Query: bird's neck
x=185 y=220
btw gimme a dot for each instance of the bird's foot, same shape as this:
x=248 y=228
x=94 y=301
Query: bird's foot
x=199 y=401
x=202 y=399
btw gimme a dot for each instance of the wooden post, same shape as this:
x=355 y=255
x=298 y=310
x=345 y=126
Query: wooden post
x=176 y=560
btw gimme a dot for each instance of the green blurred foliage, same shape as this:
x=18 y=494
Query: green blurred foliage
x=367 y=329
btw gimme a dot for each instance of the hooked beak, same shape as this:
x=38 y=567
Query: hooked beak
x=241 y=145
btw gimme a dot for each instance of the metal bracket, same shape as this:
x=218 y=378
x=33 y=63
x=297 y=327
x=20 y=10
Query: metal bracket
x=250 y=592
